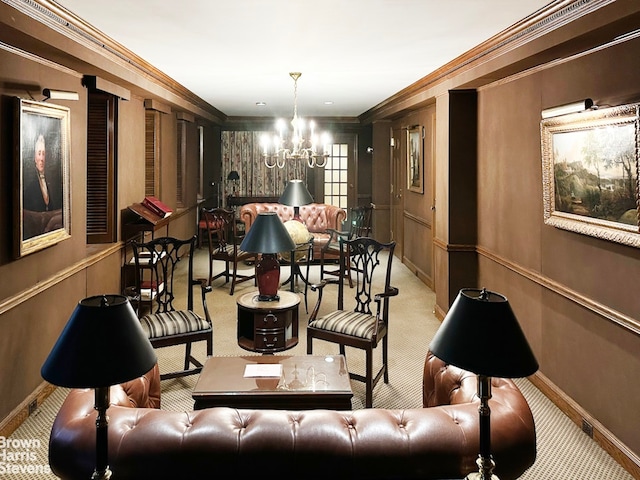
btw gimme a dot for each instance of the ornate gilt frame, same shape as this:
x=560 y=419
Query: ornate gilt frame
x=38 y=228
x=590 y=173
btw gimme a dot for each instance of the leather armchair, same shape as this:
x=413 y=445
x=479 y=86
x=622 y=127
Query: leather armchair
x=439 y=441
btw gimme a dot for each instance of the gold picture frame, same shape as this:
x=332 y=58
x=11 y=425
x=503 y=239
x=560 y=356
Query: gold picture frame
x=42 y=213
x=590 y=173
x=415 y=159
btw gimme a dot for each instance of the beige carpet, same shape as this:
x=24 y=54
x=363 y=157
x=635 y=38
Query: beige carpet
x=564 y=451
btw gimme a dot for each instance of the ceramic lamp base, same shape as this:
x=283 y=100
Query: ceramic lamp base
x=268 y=277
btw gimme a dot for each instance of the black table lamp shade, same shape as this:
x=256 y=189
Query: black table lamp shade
x=233 y=175
x=267 y=235
x=102 y=344
x=481 y=334
x=295 y=194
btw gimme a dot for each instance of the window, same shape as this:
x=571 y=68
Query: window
x=101 y=167
x=335 y=176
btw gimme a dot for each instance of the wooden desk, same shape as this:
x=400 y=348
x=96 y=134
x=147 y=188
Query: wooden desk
x=305 y=382
x=268 y=327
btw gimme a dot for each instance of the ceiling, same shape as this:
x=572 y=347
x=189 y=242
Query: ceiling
x=353 y=53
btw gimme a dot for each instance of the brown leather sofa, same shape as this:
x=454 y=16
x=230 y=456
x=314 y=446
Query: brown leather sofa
x=318 y=217
x=440 y=441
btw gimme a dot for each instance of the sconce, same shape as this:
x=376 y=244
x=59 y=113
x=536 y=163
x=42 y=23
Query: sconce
x=575 y=107
x=60 y=94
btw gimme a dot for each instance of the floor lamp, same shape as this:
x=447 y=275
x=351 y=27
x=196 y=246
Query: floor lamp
x=83 y=357
x=481 y=334
x=295 y=195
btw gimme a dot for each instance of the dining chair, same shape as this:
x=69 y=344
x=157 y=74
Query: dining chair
x=222 y=227
x=360 y=327
x=158 y=278
x=359 y=226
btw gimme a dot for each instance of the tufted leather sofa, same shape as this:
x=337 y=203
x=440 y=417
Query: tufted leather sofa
x=318 y=217
x=440 y=441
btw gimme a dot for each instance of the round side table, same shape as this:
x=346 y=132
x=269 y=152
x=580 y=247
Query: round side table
x=268 y=327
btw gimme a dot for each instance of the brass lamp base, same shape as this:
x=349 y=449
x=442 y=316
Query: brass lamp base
x=480 y=476
x=486 y=466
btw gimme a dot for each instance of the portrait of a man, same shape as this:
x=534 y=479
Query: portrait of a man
x=43 y=167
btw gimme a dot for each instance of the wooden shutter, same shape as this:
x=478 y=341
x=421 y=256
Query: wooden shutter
x=181 y=162
x=151 y=148
x=101 y=185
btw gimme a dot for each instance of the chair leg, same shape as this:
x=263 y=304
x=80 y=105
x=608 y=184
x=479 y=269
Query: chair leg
x=187 y=355
x=369 y=378
x=385 y=357
x=210 y=346
x=309 y=344
x=233 y=278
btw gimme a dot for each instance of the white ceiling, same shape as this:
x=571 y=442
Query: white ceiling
x=354 y=53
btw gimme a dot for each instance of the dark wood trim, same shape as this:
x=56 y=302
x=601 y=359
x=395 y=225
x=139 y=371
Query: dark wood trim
x=525 y=32
x=596 y=307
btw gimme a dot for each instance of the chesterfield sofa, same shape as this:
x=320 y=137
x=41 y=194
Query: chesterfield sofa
x=317 y=217
x=439 y=441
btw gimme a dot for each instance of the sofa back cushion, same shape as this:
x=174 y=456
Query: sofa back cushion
x=318 y=217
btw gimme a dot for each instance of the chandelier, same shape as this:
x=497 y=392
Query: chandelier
x=292 y=145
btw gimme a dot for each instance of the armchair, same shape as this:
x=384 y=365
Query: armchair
x=358 y=328
x=167 y=324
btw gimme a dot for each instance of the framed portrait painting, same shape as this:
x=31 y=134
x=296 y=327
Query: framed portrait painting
x=590 y=173
x=42 y=191
x=415 y=160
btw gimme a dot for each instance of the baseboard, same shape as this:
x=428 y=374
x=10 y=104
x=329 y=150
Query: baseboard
x=421 y=274
x=592 y=427
x=19 y=414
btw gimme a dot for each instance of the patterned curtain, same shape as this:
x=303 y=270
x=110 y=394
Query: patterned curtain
x=241 y=151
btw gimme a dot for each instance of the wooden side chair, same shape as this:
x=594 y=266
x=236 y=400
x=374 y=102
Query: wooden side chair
x=221 y=226
x=359 y=226
x=358 y=328
x=169 y=324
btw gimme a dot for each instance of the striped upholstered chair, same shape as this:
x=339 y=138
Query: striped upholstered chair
x=359 y=327
x=158 y=285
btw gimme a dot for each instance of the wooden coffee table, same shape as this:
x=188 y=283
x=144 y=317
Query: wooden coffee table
x=304 y=382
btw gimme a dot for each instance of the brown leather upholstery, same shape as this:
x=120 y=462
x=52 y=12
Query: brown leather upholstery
x=428 y=443
x=318 y=217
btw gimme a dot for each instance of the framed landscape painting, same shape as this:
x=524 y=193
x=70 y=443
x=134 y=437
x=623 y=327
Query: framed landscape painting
x=41 y=193
x=590 y=173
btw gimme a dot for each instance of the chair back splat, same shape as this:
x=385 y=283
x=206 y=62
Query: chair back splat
x=359 y=226
x=361 y=327
x=158 y=281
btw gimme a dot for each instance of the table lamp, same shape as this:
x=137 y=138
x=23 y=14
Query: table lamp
x=102 y=344
x=295 y=195
x=268 y=237
x=481 y=334
x=233 y=177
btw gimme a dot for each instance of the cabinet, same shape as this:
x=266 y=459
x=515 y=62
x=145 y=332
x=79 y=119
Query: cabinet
x=268 y=327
